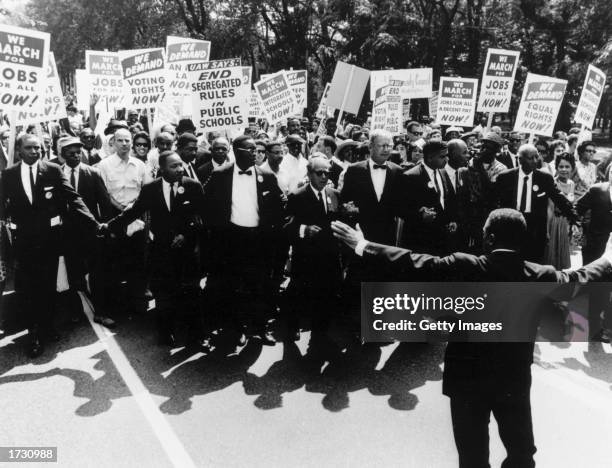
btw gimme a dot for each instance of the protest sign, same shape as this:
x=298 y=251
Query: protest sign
x=277 y=98
x=433 y=105
x=105 y=78
x=54 y=107
x=592 y=91
x=298 y=80
x=323 y=109
x=416 y=82
x=25 y=56
x=255 y=110
x=387 y=108
x=347 y=88
x=497 y=80
x=456 y=101
x=542 y=97
x=144 y=76
x=81 y=81
x=180 y=52
x=218 y=95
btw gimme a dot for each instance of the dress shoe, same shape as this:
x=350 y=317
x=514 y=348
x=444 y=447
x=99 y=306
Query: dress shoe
x=35 y=349
x=603 y=336
x=242 y=340
x=104 y=321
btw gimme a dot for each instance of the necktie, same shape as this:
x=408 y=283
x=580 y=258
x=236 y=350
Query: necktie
x=249 y=172
x=380 y=166
x=191 y=174
x=435 y=178
x=321 y=202
x=32 y=184
x=72 y=179
x=172 y=195
x=456 y=180
x=523 y=205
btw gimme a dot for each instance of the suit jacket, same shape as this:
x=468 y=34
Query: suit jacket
x=376 y=218
x=335 y=171
x=314 y=260
x=431 y=237
x=53 y=199
x=482 y=368
x=204 y=171
x=507 y=159
x=91 y=188
x=92 y=158
x=597 y=199
x=3 y=159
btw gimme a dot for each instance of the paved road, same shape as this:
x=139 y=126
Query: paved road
x=117 y=399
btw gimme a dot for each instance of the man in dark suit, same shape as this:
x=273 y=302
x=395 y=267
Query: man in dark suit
x=175 y=204
x=481 y=378
x=4 y=139
x=84 y=255
x=187 y=149
x=315 y=261
x=430 y=202
x=89 y=154
x=597 y=201
x=219 y=151
x=244 y=212
x=509 y=156
x=528 y=190
x=457 y=170
x=35 y=197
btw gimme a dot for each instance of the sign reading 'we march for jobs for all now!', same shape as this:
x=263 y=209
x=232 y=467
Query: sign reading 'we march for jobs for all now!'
x=105 y=77
x=498 y=80
x=456 y=101
x=540 y=104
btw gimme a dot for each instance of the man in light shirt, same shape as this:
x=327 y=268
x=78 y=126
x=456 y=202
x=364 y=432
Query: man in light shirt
x=293 y=167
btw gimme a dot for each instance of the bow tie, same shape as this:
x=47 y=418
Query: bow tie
x=248 y=172
x=380 y=166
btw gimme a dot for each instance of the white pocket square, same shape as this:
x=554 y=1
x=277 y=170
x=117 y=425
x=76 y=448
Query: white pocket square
x=541 y=194
x=265 y=193
x=48 y=188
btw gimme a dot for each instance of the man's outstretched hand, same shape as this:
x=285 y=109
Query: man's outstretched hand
x=608 y=253
x=347 y=234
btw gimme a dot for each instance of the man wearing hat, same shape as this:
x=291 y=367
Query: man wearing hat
x=185 y=126
x=342 y=158
x=490 y=146
x=293 y=167
x=452 y=133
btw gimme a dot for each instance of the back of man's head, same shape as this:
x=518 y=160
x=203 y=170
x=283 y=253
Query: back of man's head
x=505 y=228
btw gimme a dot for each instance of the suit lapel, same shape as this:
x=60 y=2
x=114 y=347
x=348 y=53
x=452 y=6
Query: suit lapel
x=369 y=182
x=259 y=184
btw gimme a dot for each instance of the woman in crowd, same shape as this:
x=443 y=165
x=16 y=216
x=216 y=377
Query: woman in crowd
x=260 y=152
x=141 y=146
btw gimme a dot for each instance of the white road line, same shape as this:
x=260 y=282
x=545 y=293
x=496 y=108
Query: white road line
x=169 y=441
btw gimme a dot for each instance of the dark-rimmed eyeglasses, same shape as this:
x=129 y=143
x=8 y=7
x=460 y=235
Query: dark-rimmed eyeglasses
x=322 y=173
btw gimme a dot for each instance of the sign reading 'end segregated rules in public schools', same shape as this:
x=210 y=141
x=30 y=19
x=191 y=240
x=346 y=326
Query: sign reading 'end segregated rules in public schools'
x=592 y=91
x=219 y=97
x=456 y=101
x=498 y=80
x=24 y=57
x=144 y=76
x=106 y=77
x=387 y=108
x=540 y=104
x=276 y=96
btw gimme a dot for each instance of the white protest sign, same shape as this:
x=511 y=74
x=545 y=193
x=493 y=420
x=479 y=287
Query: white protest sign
x=218 y=95
x=181 y=51
x=416 y=82
x=144 y=76
x=497 y=80
x=24 y=54
x=387 y=109
x=54 y=107
x=347 y=88
x=105 y=78
x=298 y=80
x=592 y=91
x=433 y=105
x=456 y=101
x=322 y=110
x=277 y=97
x=255 y=110
x=81 y=81
x=540 y=104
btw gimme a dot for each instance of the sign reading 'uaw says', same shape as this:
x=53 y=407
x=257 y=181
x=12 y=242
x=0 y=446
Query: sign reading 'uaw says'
x=277 y=97
x=592 y=91
x=24 y=56
x=456 y=101
x=105 y=77
x=540 y=104
x=498 y=80
x=144 y=76
x=218 y=95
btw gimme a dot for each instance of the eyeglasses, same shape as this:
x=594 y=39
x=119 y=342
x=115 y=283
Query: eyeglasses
x=415 y=133
x=141 y=144
x=261 y=151
x=322 y=173
x=250 y=150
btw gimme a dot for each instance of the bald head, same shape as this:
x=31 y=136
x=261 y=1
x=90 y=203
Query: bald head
x=457 y=153
x=318 y=171
x=122 y=141
x=164 y=141
x=528 y=158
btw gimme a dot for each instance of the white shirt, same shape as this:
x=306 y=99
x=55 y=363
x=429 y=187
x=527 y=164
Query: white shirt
x=25 y=178
x=123 y=179
x=245 y=208
x=166 y=189
x=317 y=193
x=431 y=173
x=292 y=171
x=379 y=176
x=342 y=164
x=519 y=191
x=452 y=174
x=68 y=171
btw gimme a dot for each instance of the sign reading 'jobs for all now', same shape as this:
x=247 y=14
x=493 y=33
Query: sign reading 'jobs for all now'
x=24 y=57
x=592 y=91
x=540 y=104
x=498 y=80
x=456 y=101
x=105 y=77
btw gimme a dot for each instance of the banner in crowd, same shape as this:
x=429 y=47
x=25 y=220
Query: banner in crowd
x=498 y=80
x=81 y=81
x=416 y=82
x=592 y=91
x=255 y=110
x=433 y=105
x=25 y=57
x=218 y=95
x=456 y=101
x=387 y=109
x=540 y=104
x=54 y=107
x=144 y=76
x=323 y=110
x=347 y=87
x=180 y=52
x=298 y=80
x=105 y=78
x=406 y=110
x=276 y=96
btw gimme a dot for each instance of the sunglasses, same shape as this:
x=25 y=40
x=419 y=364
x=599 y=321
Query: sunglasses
x=140 y=144
x=250 y=150
x=322 y=173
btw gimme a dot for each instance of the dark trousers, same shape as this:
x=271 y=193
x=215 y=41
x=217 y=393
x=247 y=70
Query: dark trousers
x=599 y=293
x=470 y=415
